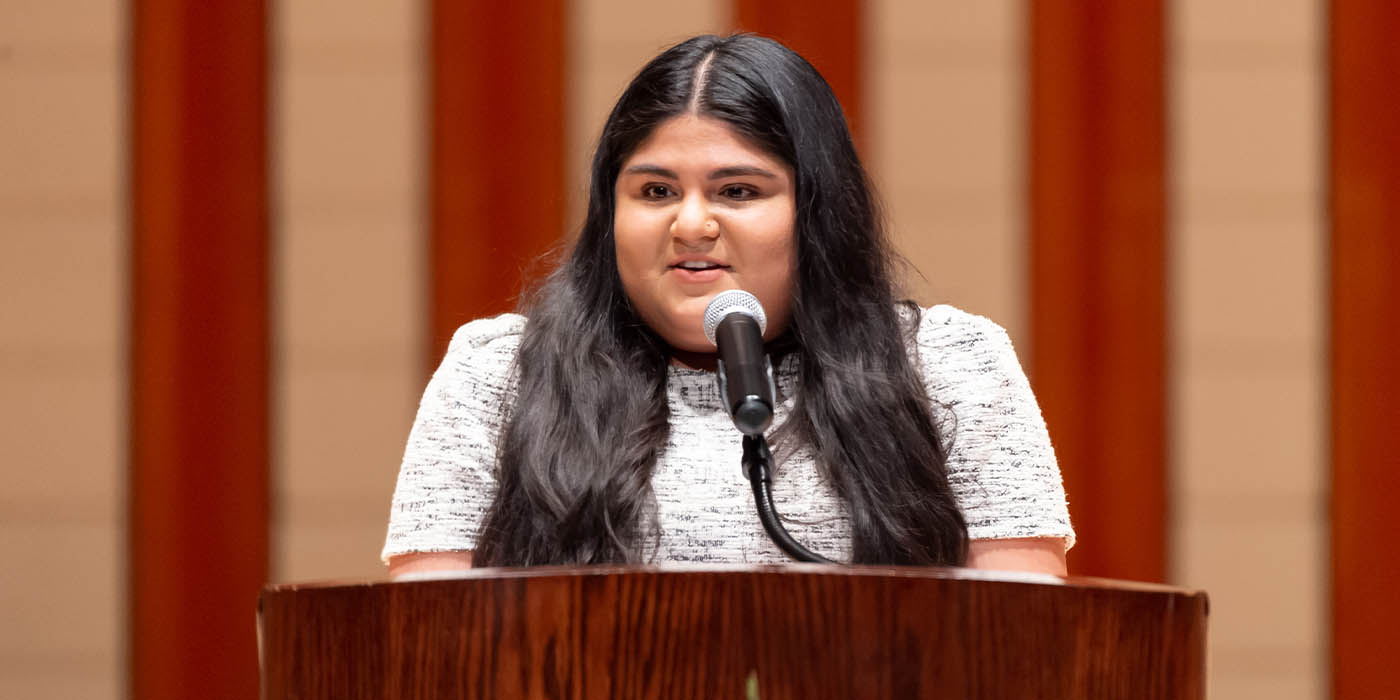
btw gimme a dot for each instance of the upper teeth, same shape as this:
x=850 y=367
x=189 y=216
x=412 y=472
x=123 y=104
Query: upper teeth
x=697 y=265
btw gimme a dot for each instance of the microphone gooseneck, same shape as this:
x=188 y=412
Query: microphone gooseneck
x=734 y=322
x=757 y=462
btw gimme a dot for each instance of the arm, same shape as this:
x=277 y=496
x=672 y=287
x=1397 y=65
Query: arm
x=1045 y=555
x=417 y=562
x=1001 y=465
x=447 y=479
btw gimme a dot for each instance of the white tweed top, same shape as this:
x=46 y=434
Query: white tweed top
x=1001 y=466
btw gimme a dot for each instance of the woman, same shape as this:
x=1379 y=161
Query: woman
x=593 y=432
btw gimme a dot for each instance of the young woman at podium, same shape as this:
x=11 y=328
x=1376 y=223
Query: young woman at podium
x=590 y=429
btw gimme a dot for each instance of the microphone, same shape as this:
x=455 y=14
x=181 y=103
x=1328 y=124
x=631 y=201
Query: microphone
x=734 y=322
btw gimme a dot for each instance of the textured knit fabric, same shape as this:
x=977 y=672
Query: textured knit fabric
x=1001 y=467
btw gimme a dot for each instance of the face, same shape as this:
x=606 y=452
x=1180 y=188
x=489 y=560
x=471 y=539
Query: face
x=699 y=209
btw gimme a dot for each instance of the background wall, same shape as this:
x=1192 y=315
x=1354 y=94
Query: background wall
x=1249 y=331
x=348 y=179
x=945 y=120
x=62 y=348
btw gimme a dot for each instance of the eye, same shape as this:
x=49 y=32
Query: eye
x=738 y=192
x=656 y=191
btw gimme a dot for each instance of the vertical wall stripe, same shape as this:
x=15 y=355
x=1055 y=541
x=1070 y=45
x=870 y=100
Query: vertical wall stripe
x=1097 y=299
x=1364 y=171
x=826 y=32
x=199 y=347
x=497 y=151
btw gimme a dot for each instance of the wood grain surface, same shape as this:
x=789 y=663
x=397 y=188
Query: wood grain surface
x=805 y=631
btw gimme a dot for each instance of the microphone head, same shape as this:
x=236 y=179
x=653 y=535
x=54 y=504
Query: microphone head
x=733 y=301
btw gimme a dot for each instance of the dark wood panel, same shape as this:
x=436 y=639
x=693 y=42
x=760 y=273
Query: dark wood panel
x=198 y=383
x=828 y=33
x=1097 y=268
x=497 y=132
x=797 y=632
x=1364 y=203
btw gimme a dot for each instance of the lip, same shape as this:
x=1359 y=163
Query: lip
x=675 y=262
x=686 y=276
x=698 y=276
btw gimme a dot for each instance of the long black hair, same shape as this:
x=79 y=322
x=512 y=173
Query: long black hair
x=577 y=451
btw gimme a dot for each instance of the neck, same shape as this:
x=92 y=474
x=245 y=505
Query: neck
x=694 y=360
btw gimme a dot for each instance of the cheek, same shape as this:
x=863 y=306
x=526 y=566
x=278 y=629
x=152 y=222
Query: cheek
x=777 y=246
x=634 y=245
x=776 y=281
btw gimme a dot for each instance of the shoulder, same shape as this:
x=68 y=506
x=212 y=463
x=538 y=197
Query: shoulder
x=969 y=367
x=466 y=400
x=447 y=479
x=951 y=342
x=486 y=346
x=949 y=324
x=497 y=334
x=479 y=363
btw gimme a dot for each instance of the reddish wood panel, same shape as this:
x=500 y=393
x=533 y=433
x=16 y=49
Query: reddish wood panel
x=796 y=632
x=1364 y=201
x=497 y=154
x=826 y=32
x=1097 y=293
x=198 y=489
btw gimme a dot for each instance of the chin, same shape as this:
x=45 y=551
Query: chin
x=690 y=342
x=683 y=328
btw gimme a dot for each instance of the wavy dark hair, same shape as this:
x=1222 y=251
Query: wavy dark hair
x=576 y=455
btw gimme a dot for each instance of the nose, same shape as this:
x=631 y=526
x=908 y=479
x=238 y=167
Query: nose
x=694 y=223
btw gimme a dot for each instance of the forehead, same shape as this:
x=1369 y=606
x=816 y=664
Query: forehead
x=691 y=139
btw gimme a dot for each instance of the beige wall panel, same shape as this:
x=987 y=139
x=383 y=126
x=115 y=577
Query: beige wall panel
x=1264 y=422
x=55 y=679
x=609 y=41
x=1259 y=565
x=1256 y=123
x=1251 y=614
x=329 y=547
x=1246 y=26
x=62 y=349
x=64 y=449
x=69 y=615
x=354 y=469
x=945 y=115
x=1258 y=677
x=90 y=26
x=348 y=150
x=355 y=275
x=348 y=129
x=1248 y=295
x=50 y=93
x=1227 y=316
x=357 y=26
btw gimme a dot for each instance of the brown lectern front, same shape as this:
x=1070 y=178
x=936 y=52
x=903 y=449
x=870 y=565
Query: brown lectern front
x=799 y=631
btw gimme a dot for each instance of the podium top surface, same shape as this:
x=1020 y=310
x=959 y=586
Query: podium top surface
x=776 y=570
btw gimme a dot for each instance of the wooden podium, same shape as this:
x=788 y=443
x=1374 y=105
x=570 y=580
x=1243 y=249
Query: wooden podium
x=773 y=632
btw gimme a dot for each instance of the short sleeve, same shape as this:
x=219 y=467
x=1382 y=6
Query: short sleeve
x=447 y=479
x=1001 y=465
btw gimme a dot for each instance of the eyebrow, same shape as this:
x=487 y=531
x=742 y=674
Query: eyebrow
x=720 y=173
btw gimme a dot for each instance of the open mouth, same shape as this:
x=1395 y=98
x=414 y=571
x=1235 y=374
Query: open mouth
x=699 y=266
